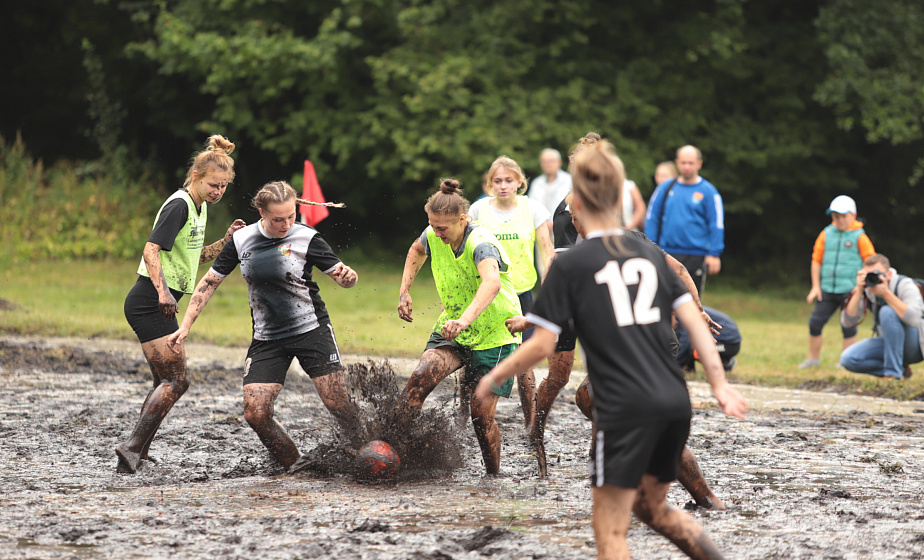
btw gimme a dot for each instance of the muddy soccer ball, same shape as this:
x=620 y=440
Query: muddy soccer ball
x=377 y=459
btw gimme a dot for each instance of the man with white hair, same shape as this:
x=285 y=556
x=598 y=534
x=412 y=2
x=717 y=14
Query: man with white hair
x=550 y=188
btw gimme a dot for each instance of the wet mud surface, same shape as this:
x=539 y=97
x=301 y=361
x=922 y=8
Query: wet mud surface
x=798 y=483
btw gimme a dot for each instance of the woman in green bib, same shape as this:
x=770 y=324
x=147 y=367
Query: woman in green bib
x=472 y=274
x=168 y=268
x=520 y=224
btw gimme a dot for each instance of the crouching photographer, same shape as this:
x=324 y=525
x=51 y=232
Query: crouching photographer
x=898 y=331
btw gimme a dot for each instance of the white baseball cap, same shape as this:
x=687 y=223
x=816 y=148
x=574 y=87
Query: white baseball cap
x=842 y=205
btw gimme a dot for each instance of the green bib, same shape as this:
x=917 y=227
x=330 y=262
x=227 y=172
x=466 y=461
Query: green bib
x=457 y=281
x=182 y=261
x=518 y=237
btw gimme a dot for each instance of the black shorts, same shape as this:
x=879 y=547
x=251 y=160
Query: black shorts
x=696 y=266
x=268 y=361
x=621 y=457
x=142 y=310
x=824 y=309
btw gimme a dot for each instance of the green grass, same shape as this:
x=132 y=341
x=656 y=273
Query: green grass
x=84 y=299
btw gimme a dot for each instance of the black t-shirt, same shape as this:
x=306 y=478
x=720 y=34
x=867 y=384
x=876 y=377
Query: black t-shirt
x=171 y=220
x=563 y=229
x=621 y=309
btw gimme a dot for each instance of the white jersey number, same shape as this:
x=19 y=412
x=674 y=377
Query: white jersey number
x=634 y=271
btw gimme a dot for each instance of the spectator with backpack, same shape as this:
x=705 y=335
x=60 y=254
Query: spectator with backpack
x=686 y=218
x=896 y=304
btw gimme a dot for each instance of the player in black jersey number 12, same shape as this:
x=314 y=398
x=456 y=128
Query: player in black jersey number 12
x=641 y=405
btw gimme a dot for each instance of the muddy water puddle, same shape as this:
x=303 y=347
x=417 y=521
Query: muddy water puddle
x=810 y=481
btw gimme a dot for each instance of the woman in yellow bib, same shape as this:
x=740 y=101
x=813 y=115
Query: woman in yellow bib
x=472 y=274
x=519 y=223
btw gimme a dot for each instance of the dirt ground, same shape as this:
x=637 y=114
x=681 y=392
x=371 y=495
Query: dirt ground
x=827 y=482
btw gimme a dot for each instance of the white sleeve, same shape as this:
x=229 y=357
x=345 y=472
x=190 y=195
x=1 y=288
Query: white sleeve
x=475 y=209
x=539 y=213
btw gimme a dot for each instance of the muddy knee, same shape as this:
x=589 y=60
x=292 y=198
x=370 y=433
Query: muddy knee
x=257 y=417
x=415 y=394
x=650 y=513
x=180 y=386
x=554 y=383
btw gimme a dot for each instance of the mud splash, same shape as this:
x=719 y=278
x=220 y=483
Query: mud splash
x=429 y=446
x=799 y=484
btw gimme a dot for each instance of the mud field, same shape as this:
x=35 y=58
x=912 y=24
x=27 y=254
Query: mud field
x=828 y=482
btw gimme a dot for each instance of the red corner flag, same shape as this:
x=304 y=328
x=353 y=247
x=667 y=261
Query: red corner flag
x=312 y=215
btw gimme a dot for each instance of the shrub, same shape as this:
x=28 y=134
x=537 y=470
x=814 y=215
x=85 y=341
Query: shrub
x=61 y=213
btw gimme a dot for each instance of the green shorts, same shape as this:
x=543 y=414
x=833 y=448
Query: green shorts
x=478 y=363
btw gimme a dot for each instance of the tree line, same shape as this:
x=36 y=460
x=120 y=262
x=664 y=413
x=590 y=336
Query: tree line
x=792 y=102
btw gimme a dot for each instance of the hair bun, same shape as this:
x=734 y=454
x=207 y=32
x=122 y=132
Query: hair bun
x=218 y=143
x=591 y=138
x=450 y=186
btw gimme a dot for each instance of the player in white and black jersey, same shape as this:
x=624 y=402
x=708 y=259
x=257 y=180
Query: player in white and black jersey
x=276 y=256
x=641 y=407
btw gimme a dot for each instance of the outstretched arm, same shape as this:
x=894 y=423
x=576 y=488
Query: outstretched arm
x=343 y=275
x=211 y=251
x=201 y=297
x=416 y=257
x=732 y=403
x=688 y=283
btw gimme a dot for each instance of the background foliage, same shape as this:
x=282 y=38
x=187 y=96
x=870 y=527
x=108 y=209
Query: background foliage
x=792 y=102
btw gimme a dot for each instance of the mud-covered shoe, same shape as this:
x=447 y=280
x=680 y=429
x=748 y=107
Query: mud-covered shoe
x=302 y=463
x=810 y=363
x=129 y=461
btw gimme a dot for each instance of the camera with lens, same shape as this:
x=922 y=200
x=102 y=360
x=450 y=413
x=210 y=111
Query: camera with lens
x=874 y=278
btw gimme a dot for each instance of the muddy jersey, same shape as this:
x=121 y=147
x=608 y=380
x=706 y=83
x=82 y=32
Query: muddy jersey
x=621 y=308
x=179 y=229
x=284 y=300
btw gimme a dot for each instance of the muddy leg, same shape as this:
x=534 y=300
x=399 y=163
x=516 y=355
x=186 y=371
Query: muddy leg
x=560 y=364
x=526 y=386
x=169 y=371
x=681 y=529
x=332 y=389
x=487 y=432
x=156 y=376
x=435 y=364
x=611 y=516
x=691 y=477
x=259 y=399
x=144 y=405
x=465 y=400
